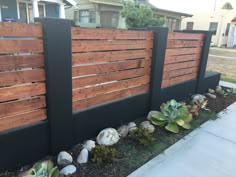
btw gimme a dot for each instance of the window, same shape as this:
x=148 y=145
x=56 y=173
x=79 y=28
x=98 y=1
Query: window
x=189 y=26
x=213 y=27
x=85 y=16
x=227 y=29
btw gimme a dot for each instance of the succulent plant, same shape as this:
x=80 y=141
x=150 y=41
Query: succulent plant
x=103 y=154
x=172 y=115
x=43 y=169
x=142 y=136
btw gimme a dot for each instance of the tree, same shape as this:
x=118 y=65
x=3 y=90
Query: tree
x=227 y=6
x=139 y=16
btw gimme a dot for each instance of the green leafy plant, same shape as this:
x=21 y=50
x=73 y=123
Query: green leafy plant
x=172 y=115
x=142 y=136
x=103 y=154
x=139 y=16
x=226 y=92
x=43 y=169
x=196 y=105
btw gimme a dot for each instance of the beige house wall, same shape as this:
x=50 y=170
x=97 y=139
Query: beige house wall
x=202 y=22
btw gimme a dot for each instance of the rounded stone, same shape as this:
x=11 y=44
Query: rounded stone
x=90 y=144
x=83 y=156
x=108 y=137
x=68 y=170
x=147 y=125
x=123 y=131
x=64 y=158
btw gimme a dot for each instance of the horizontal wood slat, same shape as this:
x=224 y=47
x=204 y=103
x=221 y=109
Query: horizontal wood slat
x=86 y=33
x=86 y=103
x=84 y=58
x=21 y=106
x=181 y=58
x=108 y=67
x=182 y=51
x=21 y=61
x=175 y=73
x=176 y=66
x=19 y=77
x=11 y=93
x=20 y=30
x=87 y=46
x=108 y=77
x=22 y=119
x=183 y=44
x=178 y=79
x=21 y=46
x=105 y=88
x=189 y=36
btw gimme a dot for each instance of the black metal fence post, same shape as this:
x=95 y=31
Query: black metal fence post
x=158 y=61
x=58 y=68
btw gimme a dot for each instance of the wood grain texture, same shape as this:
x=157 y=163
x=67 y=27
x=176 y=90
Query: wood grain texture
x=21 y=46
x=22 y=119
x=183 y=44
x=182 y=51
x=28 y=90
x=178 y=79
x=88 y=33
x=181 y=58
x=108 y=77
x=189 y=36
x=175 y=66
x=20 y=30
x=19 y=77
x=104 y=98
x=108 y=67
x=179 y=72
x=21 y=106
x=96 y=57
x=105 y=45
x=111 y=87
x=21 y=61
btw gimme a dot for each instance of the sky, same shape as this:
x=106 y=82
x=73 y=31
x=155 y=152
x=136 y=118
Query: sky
x=191 y=6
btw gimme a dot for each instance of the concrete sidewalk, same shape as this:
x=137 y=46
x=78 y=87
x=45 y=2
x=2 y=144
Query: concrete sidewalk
x=209 y=151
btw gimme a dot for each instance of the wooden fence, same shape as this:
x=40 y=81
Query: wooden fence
x=22 y=77
x=182 y=57
x=109 y=65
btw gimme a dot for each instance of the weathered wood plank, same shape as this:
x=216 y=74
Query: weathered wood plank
x=19 y=77
x=22 y=119
x=104 y=45
x=109 y=77
x=91 y=57
x=100 y=99
x=87 y=33
x=178 y=79
x=21 y=61
x=189 y=36
x=170 y=74
x=175 y=66
x=21 y=46
x=183 y=51
x=181 y=58
x=21 y=30
x=111 y=87
x=108 y=67
x=183 y=44
x=12 y=93
x=21 y=106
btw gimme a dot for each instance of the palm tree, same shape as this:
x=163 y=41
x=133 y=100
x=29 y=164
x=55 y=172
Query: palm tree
x=227 y=6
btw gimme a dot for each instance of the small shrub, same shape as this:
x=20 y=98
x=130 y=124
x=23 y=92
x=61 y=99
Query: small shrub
x=103 y=154
x=142 y=136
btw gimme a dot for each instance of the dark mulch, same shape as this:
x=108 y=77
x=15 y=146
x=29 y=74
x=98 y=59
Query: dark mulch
x=131 y=155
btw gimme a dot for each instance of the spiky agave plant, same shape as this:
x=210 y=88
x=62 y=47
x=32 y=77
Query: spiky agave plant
x=43 y=169
x=172 y=115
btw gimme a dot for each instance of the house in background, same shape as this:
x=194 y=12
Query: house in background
x=218 y=22
x=26 y=10
x=106 y=14
x=231 y=43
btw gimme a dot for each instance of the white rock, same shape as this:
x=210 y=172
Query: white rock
x=211 y=91
x=132 y=129
x=147 y=125
x=132 y=124
x=150 y=114
x=211 y=95
x=123 y=131
x=90 y=144
x=64 y=158
x=108 y=137
x=198 y=97
x=68 y=170
x=83 y=156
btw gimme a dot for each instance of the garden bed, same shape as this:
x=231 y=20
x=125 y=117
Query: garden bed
x=131 y=155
